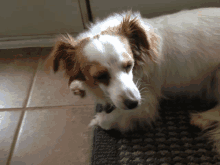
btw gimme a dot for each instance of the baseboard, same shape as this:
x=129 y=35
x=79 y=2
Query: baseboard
x=29 y=41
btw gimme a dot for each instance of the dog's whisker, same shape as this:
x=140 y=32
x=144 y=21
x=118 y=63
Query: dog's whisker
x=137 y=81
x=139 y=86
x=143 y=88
x=143 y=99
x=142 y=93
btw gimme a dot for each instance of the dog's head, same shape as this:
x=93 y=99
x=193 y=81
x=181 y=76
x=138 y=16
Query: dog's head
x=105 y=61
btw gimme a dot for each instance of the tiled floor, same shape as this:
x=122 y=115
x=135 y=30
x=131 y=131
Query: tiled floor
x=41 y=121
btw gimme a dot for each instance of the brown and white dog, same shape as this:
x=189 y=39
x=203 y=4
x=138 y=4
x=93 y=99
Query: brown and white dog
x=130 y=63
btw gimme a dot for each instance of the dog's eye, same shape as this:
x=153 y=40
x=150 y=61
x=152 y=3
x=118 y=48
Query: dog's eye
x=128 y=67
x=102 y=76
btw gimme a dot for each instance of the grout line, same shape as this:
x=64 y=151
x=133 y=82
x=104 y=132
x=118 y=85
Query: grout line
x=25 y=108
x=15 y=138
x=45 y=107
x=21 y=119
x=33 y=79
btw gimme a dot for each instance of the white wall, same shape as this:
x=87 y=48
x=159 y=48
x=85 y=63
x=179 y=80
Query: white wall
x=148 y=8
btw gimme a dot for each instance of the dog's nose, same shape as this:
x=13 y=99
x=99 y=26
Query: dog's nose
x=131 y=104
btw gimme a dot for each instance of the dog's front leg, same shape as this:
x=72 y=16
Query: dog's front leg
x=127 y=120
x=207 y=118
x=106 y=120
x=77 y=88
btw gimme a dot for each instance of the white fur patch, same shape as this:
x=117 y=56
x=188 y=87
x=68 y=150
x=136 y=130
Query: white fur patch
x=106 y=50
x=112 y=21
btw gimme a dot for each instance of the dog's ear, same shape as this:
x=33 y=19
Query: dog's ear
x=63 y=57
x=142 y=39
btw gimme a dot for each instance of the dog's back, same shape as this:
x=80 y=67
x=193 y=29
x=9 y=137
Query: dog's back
x=190 y=49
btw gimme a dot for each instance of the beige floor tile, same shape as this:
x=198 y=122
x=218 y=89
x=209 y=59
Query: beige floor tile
x=52 y=89
x=17 y=68
x=8 y=125
x=55 y=137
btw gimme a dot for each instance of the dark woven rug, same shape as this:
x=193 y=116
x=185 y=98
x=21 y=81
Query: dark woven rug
x=171 y=141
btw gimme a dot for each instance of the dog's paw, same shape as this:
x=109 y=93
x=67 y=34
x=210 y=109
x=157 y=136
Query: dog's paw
x=94 y=122
x=101 y=120
x=77 y=88
x=199 y=120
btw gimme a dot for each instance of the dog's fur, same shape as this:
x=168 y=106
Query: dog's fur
x=131 y=63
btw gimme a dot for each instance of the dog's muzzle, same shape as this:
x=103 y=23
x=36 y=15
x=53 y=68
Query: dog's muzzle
x=108 y=108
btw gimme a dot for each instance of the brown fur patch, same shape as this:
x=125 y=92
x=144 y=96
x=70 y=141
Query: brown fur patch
x=127 y=57
x=80 y=61
x=142 y=42
x=127 y=63
x=126 y=43
x=137 y=39
x=99 y=73
x=96 y=36
x=96 y=68
x=154 y=40
x=67 y=55
x=110 y=31
x=60 y=52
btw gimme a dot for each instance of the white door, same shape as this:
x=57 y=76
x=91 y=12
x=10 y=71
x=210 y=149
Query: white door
x=39 y=17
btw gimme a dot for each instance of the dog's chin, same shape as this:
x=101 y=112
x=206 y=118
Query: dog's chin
x=125 y=108
x=108 y=108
